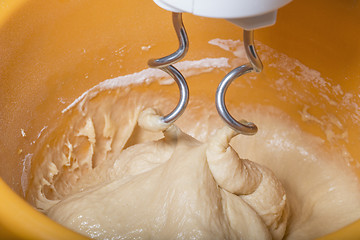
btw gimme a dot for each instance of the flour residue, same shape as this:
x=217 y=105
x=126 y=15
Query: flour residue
x=26 y=163
x=146 y=76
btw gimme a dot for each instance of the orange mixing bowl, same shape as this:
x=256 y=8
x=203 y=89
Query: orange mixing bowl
x=51 y=51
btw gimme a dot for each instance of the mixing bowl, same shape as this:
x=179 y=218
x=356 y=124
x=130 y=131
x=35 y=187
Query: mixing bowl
x=51 y=51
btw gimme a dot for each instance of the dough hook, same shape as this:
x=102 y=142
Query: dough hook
x=164 y=64
x=255 y=65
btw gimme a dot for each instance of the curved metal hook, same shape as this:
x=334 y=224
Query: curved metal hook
x=164 y=64
x=255 y=65
x=183 y=45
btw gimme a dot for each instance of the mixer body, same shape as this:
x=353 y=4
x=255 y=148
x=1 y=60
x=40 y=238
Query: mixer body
x=247 y=14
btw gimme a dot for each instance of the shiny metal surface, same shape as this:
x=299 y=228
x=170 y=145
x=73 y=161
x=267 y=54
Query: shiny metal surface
x=254 y=65
x=165 y=64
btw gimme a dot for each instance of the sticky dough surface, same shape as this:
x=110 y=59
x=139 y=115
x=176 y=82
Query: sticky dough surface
x=165 y=189
x=122 y=174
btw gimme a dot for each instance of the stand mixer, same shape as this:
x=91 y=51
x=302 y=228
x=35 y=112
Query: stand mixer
x=247 y=14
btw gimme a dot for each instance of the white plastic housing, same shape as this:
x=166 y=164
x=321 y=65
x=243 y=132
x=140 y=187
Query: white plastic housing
x=249 y=14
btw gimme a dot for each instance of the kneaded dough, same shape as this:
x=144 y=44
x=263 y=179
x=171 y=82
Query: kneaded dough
x=178 y=187
x=79 y=174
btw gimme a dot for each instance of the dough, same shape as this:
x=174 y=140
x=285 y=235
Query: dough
x=178 y=187
x=98 y=170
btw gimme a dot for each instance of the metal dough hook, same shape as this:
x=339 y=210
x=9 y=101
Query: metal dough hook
x=165 y=65
x=255 y=65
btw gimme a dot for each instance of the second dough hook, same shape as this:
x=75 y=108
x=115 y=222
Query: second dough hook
x=254 y=65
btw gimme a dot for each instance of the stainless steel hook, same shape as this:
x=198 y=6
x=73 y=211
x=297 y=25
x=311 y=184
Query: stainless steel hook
x=255 y=65
x=165 y=65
